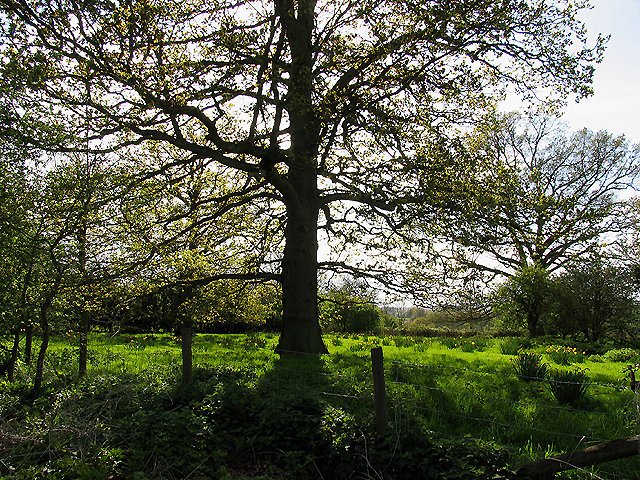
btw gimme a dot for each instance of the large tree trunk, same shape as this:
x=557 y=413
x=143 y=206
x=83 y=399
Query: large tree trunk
x=532 y=324
x=300 y=326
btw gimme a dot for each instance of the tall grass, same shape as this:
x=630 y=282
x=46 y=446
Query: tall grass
x=450 y=390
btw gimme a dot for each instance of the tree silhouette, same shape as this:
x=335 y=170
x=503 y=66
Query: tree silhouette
x=336 y=113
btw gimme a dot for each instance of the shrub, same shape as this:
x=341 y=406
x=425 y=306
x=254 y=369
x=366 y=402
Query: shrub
x=401 y=342
x=364 y=345
x=420 y=324
x=569 y=387
x=451 y=343
x=512 y=346
x=344 y=313
x=529 y=366
x=474 y=344
x=465 y=344
x=565 y=355
x=621 y=355
x=421 y=346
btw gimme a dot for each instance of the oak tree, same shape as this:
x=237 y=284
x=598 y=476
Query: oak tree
x=555 y=196
x=335 y=113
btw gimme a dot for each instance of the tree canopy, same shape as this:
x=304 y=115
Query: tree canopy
x=596 y=297
x=328 y=114
x=553 y=197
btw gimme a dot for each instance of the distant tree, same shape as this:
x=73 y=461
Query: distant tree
x=524 y=299
x=416 y=312
x=332 y=114
x=555 y=196
x=596 y=298
x=350 y=308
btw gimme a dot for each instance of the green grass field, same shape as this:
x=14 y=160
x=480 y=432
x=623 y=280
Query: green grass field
x=447 y=389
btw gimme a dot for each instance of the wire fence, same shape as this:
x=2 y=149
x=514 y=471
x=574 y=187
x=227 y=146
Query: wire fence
x=460 y=406
x=456 y=401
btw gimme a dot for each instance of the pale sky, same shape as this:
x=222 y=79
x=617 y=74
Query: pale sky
x=615 y=106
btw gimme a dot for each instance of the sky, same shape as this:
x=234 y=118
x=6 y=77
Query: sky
x=615 y=105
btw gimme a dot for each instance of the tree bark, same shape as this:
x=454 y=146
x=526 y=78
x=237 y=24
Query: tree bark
x=84 y=334
x=28 y=343
x=532 y=324
x=301 y=330
x=44 y=324
x=13 y=361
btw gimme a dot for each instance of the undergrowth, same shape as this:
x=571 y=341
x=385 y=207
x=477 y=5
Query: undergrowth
x=250 y=413
x=227 y=424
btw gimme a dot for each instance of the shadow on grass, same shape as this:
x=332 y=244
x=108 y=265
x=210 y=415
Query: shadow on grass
x=293 y=418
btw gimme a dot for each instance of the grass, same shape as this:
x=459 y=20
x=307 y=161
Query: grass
x=447 y=388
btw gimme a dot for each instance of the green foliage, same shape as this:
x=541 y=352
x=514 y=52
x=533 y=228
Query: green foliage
x=565 y=355
x=140 y=423
x=568 y=387
x=512 y=345
x=550 y=196
x=621 y=355
x=529 y=366
x=524 y=299
x=595 y=298
x=207 y=180
x=420 y=324
x=403 y=342
x=221 y=307
x=350 y=309
x=365 y=345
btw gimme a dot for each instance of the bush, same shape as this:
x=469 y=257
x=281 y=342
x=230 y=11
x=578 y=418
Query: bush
x=569 y=388
x=465 y=344
x=450 y=343
x=403 y=342
x=343 y=312
x=511 y=346
x=621 y=355
x=529 y=366
x=421 y=324
x=565 y=355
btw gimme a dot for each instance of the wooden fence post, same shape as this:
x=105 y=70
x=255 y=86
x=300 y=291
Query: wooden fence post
x=379 y=391
x=187 y=356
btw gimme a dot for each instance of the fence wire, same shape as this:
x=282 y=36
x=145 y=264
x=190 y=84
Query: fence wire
x=442 y=399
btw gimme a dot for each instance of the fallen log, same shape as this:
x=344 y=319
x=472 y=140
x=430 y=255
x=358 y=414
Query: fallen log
x=603 y=452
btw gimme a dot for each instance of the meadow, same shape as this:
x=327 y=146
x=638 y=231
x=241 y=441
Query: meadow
x=457 y=408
